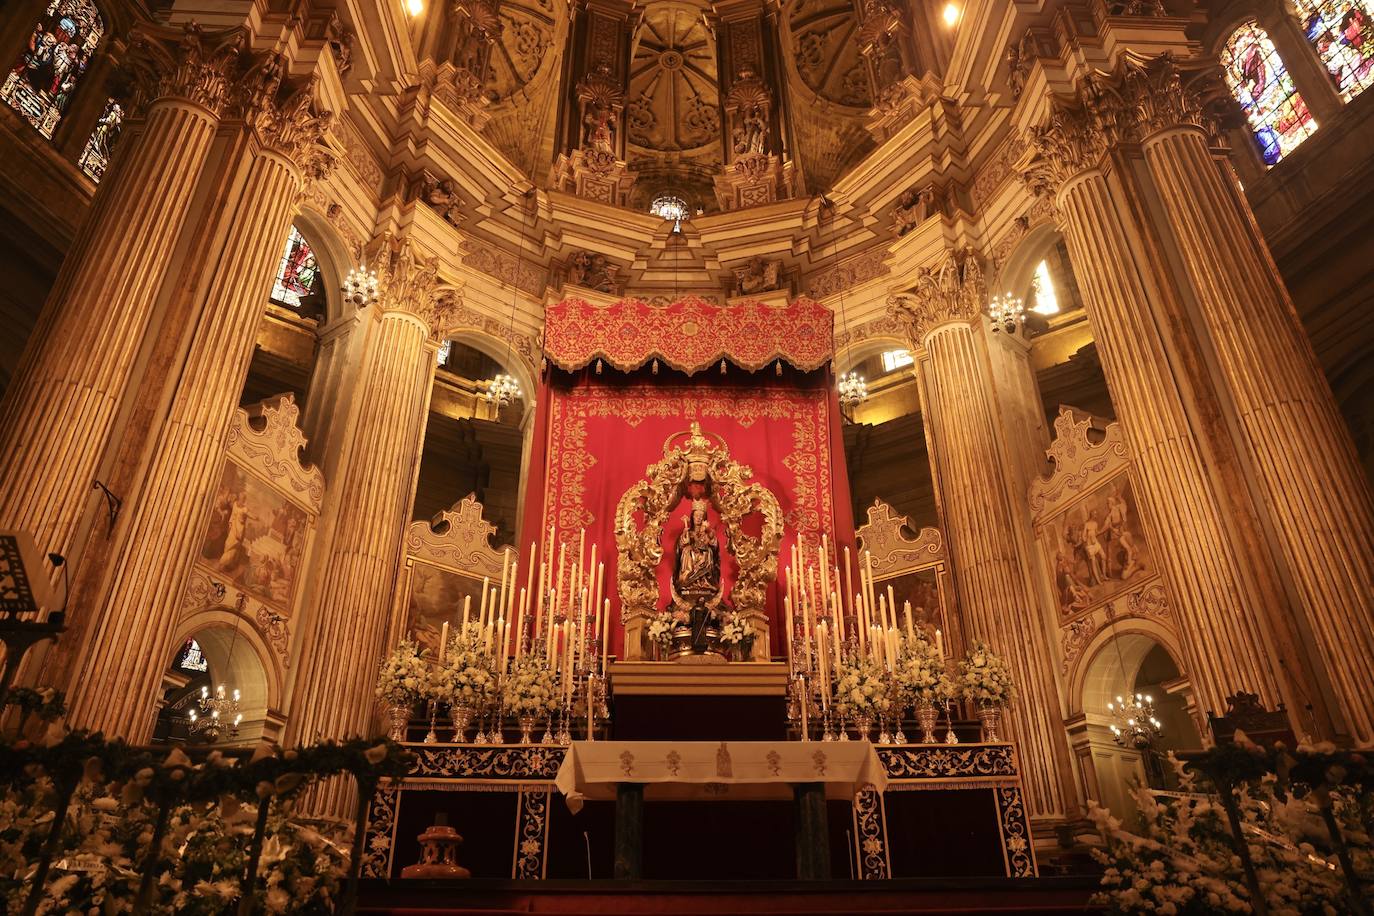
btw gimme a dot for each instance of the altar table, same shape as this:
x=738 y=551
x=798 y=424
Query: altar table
x=921 y=811
x=686 y=770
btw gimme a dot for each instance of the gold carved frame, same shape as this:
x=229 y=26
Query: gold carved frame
x=733 y=495
x=895 y=556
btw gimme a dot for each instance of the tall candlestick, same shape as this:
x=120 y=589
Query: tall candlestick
x=443 y=642
x=606 y=635
x=520 y=625
x=482 y=610
x=910 y=632
x=467 y=608
x=791 y=631
x=506 y=572
x=848 y=588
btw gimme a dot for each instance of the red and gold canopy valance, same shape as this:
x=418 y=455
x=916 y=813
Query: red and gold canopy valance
x=690 y=335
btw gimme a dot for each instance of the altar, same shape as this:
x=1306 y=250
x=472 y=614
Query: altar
x=881 y=811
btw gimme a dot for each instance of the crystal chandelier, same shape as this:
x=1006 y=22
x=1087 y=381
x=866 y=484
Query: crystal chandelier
x=216 y=710
x=360 y=287
x=1007 y=312
x=853 y=390
x=1136 y=726
x=502 y=390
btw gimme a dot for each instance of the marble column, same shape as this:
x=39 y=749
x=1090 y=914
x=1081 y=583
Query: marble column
x=59 y=411
x=266 y=162
x=1290 y=429
x=1229 y=608
x=943 y=318
x=373 y=492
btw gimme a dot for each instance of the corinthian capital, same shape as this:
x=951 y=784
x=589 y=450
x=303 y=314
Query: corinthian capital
x=950 y=291
x=285 y=114
x=409 y=283
x=183 y=63
x=1140 y=97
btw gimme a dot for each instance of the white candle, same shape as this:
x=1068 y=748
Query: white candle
x=467 y=608
x=443 y=642
x=939 y=642
x=910 y=633
x=606 y=634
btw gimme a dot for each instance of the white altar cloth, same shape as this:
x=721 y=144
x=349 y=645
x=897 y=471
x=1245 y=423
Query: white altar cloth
x=686 y=770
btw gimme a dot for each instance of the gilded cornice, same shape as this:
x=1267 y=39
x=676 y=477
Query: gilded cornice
x=951 y=291
x=1141 y=97
x=186 y=63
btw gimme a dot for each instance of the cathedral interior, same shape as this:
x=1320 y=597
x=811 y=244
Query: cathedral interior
x=1032 y=316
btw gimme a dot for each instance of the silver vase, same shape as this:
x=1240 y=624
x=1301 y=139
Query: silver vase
x=397 y=717
x=461 y=714
x=927 y=714
x=991 y=717
x=863 y=725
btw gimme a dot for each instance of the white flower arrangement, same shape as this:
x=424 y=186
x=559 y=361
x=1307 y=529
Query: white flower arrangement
x=861 y=689
x=530 y=688
x=737 y=630
x=921 y=674
x=985 y=677
x=403 y=676
x=661 y=629
x=466 y=676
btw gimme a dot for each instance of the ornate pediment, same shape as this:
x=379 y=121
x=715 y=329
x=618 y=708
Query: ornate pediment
x=458 y=537
x=884 y=537
x=266 y=438
x=1085 y=450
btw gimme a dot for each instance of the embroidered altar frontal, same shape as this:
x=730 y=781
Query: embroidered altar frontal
x=943 y=811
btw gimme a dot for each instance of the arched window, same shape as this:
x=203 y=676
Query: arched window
x=1260 y=82
x=1342 y=31
x=96 y=155
x=298 y=272
x=1046 y=302
x=40 y=83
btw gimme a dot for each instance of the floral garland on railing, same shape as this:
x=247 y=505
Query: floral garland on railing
x=1183 y=857
x=150 y=829
x=985 y=677
x=530 y=687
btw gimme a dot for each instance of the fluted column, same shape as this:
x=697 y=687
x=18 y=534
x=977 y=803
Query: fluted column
x=130 y=644
x=1291 y=431
x=58 y=413
x=373 y=493
x=1229 y=609
x=991 y=574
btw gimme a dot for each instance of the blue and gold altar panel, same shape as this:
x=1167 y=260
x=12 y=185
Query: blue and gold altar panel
x=519 y=784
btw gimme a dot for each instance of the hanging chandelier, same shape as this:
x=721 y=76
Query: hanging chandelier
x=219 y=714
x=360 y=287
x=502 y=390
x=853 y=389
x=1136 y=726
x=1007 y=313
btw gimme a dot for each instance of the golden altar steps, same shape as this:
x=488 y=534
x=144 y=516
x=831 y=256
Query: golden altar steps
x=677 y=679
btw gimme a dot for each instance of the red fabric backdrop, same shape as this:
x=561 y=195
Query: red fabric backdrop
x=595 y=435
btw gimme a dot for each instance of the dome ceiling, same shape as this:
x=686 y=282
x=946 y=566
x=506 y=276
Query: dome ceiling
x=673 y=102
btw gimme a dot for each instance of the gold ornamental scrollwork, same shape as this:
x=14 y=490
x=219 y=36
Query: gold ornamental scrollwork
x=733 y=495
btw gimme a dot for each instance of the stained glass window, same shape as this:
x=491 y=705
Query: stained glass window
x=96 y=155
x=1342 y=31
x=191 y=658
x=1258 y=79
x=1046 y=302
x=297 y=274
x=40 y=83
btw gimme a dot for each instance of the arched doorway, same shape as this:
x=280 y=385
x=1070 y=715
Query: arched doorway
x=1125 y=665
x=216 y=661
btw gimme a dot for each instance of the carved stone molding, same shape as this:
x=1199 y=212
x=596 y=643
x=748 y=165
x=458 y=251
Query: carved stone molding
x=1083 y=452
x=884 y=537
x=287 y=118
x=759 y=275
x=591 y=270
x=187 y=63
x=458 y=537
x=953 y=290
x=1140 y=97
x=851 y=272
x=458 y=317
x=916 y=205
